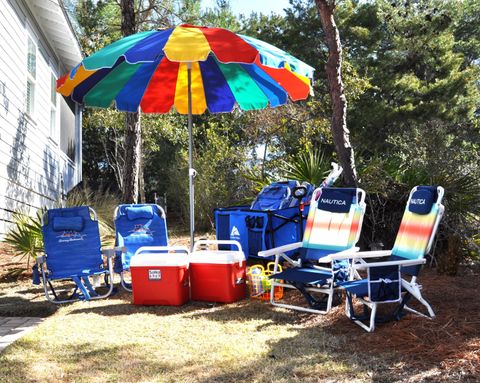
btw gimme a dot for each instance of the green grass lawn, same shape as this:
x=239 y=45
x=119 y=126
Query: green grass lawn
x=250 y=341
x=112 y=340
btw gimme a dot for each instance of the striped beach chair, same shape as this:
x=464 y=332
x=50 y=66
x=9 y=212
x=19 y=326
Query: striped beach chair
x=333 y=228
x=394 y=279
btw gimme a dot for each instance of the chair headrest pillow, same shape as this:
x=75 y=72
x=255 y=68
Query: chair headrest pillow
x=422 y=200
x=137 y=212
x=336 y=200
x=68 y=223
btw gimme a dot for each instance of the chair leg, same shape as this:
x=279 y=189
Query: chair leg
x=55 y=300
x=359 y=320
x=124 y=283
x=300 y=308
x=373 y=314
x=413 y=289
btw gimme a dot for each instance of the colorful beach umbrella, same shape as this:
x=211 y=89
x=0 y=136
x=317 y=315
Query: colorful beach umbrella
x=189 y=69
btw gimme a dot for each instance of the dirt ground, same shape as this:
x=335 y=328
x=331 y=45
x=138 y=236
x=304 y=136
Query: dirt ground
x=450 y=344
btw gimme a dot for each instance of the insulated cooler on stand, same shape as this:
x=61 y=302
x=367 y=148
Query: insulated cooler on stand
x=160 y=277
x=217 y=275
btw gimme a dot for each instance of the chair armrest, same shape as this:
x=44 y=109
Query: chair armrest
x=151 y=249
x=344 y=254
x=372 y=254
x=407 y=262
x=280 y=249
x=110 y=252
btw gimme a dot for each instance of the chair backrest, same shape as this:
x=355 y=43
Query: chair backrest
x=420 y=222
x=335 y=219
x=277 y=195
x=139 y=225
x=72 y=241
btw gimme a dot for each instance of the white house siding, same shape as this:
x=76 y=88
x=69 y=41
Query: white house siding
x=34 y=172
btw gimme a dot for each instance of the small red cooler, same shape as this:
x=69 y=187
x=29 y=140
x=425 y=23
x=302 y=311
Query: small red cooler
x=160 y=278
x=217 y=275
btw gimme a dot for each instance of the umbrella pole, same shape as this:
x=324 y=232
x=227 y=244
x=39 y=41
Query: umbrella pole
x=191 y=171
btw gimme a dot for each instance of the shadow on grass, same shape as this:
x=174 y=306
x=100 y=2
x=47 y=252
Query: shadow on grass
x=247 y=310
x=244 y=310
x=16 y=306
x=126 y=307
x=81 y=362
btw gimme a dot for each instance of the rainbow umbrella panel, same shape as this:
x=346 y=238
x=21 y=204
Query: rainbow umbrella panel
x=190 y=69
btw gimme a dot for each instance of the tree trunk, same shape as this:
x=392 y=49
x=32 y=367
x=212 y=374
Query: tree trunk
x=132 y=158
x=129 y=25
x=132 y=120
x=333 y=69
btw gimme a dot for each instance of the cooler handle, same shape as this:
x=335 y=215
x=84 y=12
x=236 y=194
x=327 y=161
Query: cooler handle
x=217 y=242
x=150 y=249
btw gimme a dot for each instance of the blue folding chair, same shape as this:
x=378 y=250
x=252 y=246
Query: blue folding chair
x=136 y=226
x=73 y=252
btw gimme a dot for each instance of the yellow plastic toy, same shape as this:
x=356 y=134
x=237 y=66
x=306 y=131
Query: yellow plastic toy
x=259 y=283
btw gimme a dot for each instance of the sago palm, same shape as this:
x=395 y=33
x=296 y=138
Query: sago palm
x=310 y=166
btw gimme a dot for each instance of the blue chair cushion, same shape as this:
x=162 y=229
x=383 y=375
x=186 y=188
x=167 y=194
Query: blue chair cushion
x=303 y=275
x=68 y=223
x=357 y=287
x=336 y=200
x=313 y=255
x=137 y=212
x=422 y=200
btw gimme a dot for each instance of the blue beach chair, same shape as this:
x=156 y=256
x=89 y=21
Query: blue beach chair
x=73 y=252
x=136 y=226
x=333 y=227
x=394 y=279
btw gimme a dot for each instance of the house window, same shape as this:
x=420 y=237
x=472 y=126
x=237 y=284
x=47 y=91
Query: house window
x=53 y=109
x=31 y=76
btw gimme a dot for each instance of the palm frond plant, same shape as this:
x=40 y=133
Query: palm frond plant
x=257 y=181
x=25 y=238
x=311 y=166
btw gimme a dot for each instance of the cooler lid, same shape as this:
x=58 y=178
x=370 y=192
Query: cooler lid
x=159 y=259
x=217 y=256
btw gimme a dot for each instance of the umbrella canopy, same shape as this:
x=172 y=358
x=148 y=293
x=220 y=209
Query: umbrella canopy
x=191 y=69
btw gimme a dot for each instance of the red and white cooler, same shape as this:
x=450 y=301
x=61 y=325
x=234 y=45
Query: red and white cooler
x=217 y=275
x=159 y=277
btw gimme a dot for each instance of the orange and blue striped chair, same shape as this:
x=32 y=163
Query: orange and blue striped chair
x=333 y=228
x=386 y=281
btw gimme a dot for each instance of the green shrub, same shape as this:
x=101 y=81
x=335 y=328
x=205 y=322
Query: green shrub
x=25 y=238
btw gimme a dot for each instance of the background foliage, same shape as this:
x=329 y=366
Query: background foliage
x=411 y=72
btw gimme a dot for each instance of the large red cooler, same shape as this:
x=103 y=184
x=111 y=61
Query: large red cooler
x=160 y=278
x=217 y=275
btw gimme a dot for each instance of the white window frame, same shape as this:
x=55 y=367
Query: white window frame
x=30 y=78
